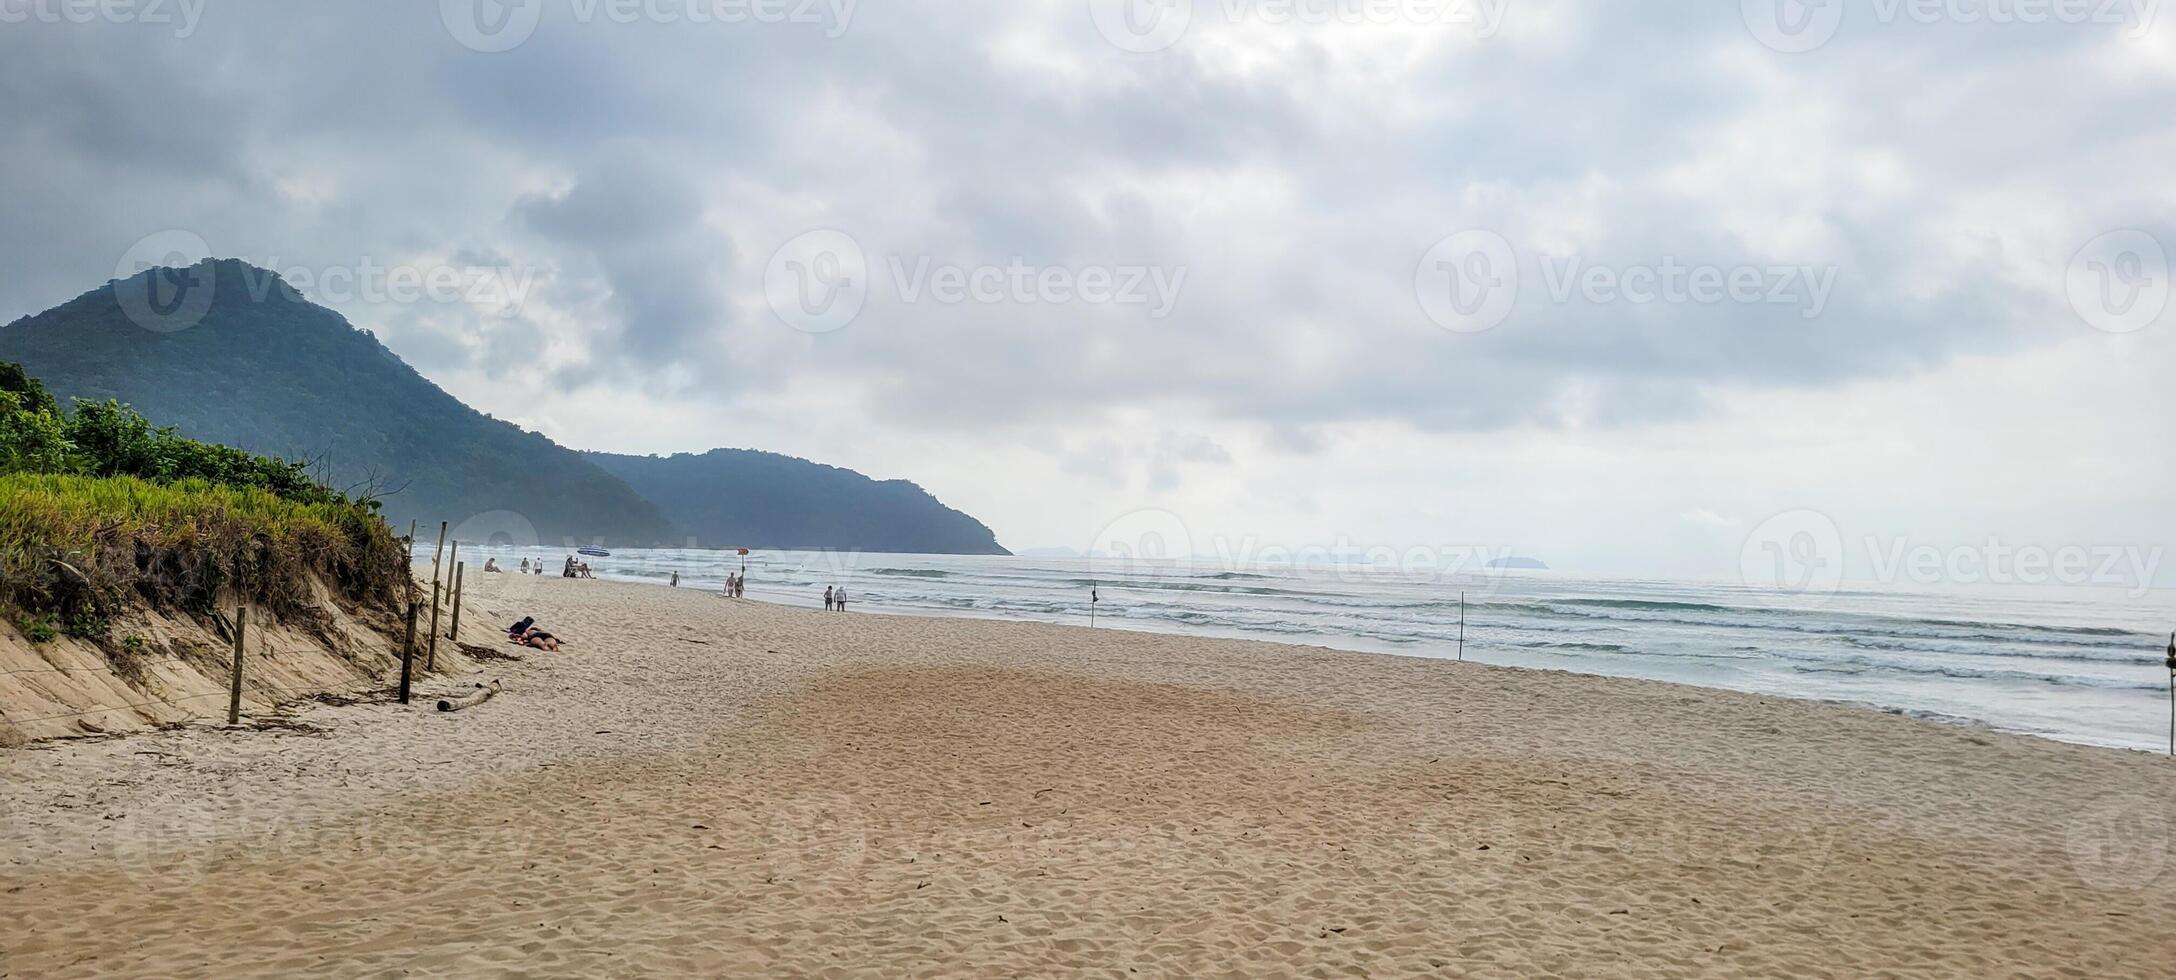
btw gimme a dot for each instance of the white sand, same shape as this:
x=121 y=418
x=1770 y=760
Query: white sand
x=710 y=786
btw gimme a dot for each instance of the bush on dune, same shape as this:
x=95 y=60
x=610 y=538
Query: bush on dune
x=98 y=508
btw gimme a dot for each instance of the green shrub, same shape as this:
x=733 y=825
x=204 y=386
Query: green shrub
x=98 y=506
x=40 y=629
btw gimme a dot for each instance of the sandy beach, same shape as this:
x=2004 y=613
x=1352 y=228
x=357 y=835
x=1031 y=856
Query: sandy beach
x=708 y=786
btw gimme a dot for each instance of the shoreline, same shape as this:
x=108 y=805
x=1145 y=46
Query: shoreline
x=697 y=784
x=1479 y=654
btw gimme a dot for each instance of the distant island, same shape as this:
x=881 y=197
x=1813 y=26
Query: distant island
x=1517 y=561
x=269 y=372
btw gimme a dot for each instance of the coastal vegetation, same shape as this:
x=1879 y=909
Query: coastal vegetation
x=101 y=510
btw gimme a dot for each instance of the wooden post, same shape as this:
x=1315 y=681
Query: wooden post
x=453 y=632
x=430 y=656
x=408 y=645
x=441 y=549
x=430 y=661
x=2172 y=695
x=234 y=688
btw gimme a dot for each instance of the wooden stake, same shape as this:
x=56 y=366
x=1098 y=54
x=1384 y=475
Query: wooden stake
x=1461 y=626
x=430 y=661
x=408 y=645
x=441 y=549
x=234 y=688
x=453 y=632
x=430 y=656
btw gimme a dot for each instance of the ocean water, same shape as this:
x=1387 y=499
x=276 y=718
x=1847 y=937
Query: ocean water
x=2071 y=663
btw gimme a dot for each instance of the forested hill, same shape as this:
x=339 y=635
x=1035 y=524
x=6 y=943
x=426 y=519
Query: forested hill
x=742 y=497
x=249 y=363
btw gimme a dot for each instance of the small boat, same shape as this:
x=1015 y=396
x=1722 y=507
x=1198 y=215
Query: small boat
x=593 y=552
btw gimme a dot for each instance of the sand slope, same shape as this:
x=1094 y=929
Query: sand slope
x=702 y=785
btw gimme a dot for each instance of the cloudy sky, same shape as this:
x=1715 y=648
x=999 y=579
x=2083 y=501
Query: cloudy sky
x=1611 y=284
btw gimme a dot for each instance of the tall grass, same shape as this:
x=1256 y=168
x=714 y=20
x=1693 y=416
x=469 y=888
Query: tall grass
x=80 y=547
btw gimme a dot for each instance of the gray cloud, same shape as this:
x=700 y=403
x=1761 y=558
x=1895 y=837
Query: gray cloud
x=647 y=172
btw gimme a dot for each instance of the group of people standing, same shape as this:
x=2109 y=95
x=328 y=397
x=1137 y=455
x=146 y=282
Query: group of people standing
x=736 y=586
x=834 y=598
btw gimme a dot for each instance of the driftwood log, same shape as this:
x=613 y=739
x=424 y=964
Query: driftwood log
x=481 y=695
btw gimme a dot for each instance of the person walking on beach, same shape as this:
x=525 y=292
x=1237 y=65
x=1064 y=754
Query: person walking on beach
x=838 y=602
x=827 y=598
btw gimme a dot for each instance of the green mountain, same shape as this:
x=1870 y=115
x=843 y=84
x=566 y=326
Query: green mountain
x=228 y=353
x=746 y=498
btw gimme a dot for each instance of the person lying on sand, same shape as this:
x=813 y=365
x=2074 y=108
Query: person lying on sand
x=515 y=631
x=539 y=639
